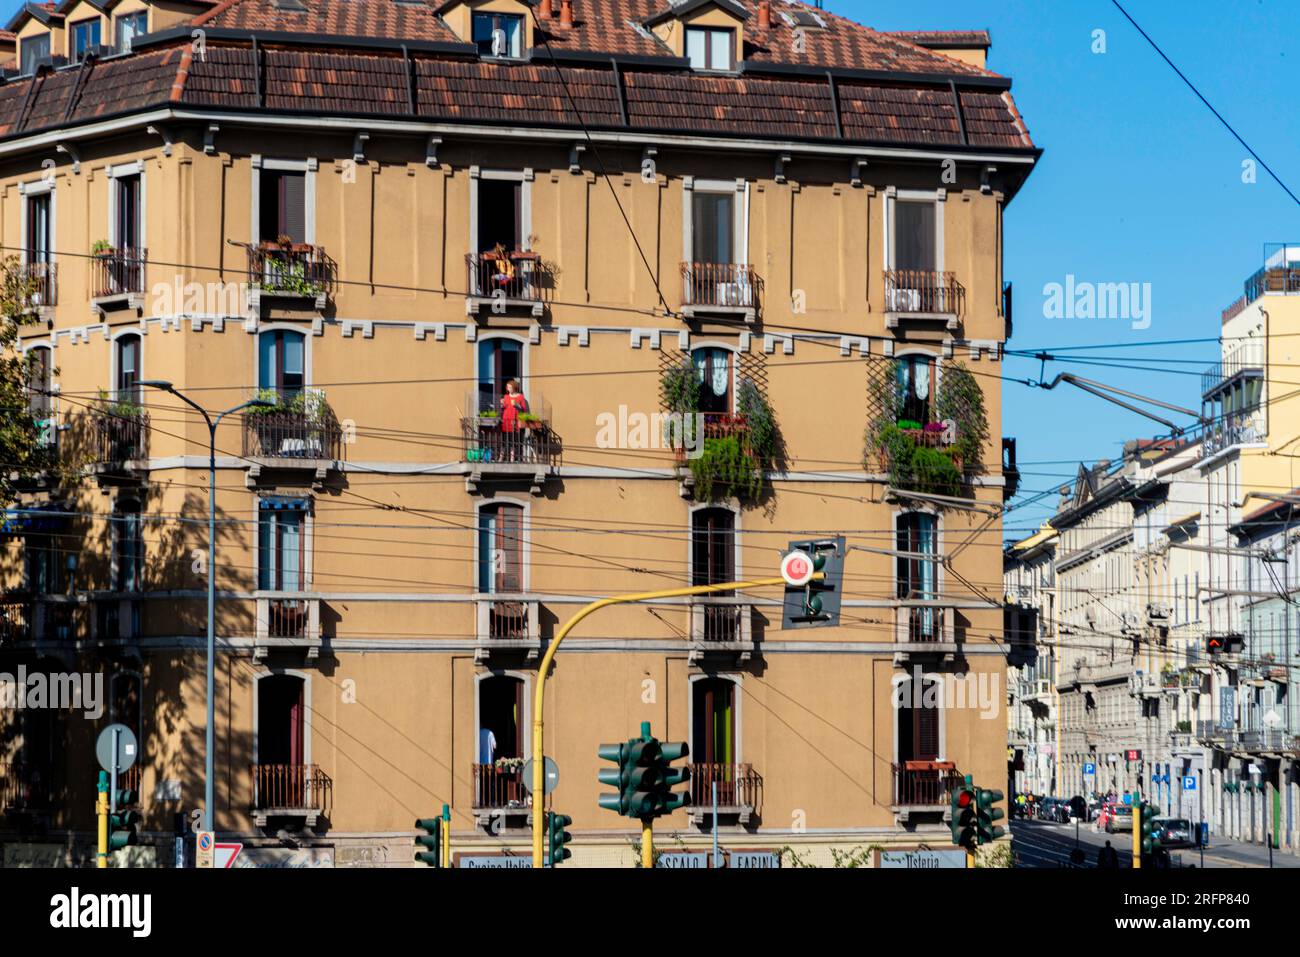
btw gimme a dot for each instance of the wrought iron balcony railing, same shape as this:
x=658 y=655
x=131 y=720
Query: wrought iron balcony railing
x=924 y=783
x=739 y=786
x=43 y=278
x=294 y=269
x=500 y=786
x=117 y=272
x=923 y=292
x=290 y=788
x=729 y=286
x=304 y=429
x=516 y=278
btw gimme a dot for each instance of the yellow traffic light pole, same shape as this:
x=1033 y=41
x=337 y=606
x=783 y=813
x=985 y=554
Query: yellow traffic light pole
x=539 y=771
x=1136 y=818
x=101 y=812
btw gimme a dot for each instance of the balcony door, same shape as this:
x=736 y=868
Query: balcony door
x=283 y=205
x=128 y=547
x=281 y=726
x=281 y=363
x=40 y=382
x=38 y=229
x=713 y=546
x=499 y=361
x=500 y=215
x=126 y=220
x=501 y=549
x=281 y=547
x=715 y=375
x=915 y=388
x=500 y=718
x=915 y=245
x=713 y=227
x=713 y=741
x=916 y=573
x=127 y=377
x=918 y=721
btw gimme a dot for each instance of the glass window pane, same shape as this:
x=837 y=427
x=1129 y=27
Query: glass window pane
x=290 y=546
x=720 y=50
x=712 y=227
x=265 y=553
x=696 y=50
x=914 y=237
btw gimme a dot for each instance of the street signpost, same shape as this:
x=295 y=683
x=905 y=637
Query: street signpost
x=204 y=850
x=550 y=775
x=223 y=855
x=116 y=750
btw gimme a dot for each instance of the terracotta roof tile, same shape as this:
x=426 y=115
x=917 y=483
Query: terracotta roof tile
x=353 y=18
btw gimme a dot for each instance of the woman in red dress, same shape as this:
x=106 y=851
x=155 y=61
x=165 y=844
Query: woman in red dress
x=513 y=404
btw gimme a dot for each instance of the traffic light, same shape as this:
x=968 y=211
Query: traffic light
x=669 y=776
x=1147 y=822
x=986 y=814
x=431 y=841
x=1215 y=644
x=122 y=825
x=962 y=819
x=557 y=837
x=816 y=604
x=644 y=776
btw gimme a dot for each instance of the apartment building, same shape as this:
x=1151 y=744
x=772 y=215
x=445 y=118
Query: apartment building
x=1029 y=580
x=467 y=260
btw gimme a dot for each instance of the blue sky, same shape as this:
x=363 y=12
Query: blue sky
x=1139 y=183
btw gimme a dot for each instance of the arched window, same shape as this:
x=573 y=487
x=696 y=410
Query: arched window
x=499 y=361
x=916 y=388
x=281 y=362
x=127 y=378
x=715 y=375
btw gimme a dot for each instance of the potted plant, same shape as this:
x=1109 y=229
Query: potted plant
x=101 y=248
x=530 y=420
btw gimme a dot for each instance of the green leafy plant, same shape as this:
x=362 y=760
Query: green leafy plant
x=118 y=406
x=679 y=389
x=101 y=246
x=725 y=468
x=760 y=420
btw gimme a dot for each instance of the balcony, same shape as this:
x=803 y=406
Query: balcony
x=117 y=280
x=923 y=786
x=287 y=620
x=1280 y=275
x=507 y=625
x=740 y=792
x=15 y=621
x=721 y=627
x=924 y=631
x=42 y=279
x=506 y=281
x=1244 y=362
x=912 y=294
x=499 y=793
x=289 y=271
x=531 y=451
x=300 y=433
x=720 y=289
x=1235 y=430
x=290 y=790
x=21 y=789
x=120 y=441
x=706 y=462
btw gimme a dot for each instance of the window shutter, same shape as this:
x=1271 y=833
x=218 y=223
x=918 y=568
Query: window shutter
x=927 y=729
x=293 y=206
x=510 y=544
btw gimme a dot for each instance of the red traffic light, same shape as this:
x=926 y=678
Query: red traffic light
x=964 y=798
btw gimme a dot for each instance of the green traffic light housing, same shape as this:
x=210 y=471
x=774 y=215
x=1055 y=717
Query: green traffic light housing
x=644 y=777
x=816 y=604
x=431 y=841
x=987 y=814
x=962 y=806
x=1147 y=814
x=557 y=837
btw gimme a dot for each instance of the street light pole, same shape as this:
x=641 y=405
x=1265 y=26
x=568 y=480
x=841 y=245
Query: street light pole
x=209 y=748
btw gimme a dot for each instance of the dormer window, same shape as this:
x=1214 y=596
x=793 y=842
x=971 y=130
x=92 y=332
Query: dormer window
x=85 y=37
x=129 y=27
x=711 y=48
x=34 y=49
x=499 y=34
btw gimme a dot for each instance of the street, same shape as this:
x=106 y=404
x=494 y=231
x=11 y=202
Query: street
x=1048 y=844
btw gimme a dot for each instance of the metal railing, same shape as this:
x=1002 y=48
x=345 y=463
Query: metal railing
x=720 y=621
x=121 y=435
x=720 y=285
x=117 y=271
x=924 y=783
x=499 y=787
x=925 y=625
x=15 y=621
x=483 y=439
x=294 y=269
x=515 y=276
x=1230 y=432
x=922 y=291
x=696 y=428
x=43 y=279
x=20 y=787
x=287 y=618
x=508 y=620
x=289 y=787
x=1246 y=357
x=312 y=433
x=739 y=785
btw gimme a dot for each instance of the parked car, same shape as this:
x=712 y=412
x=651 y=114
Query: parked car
x=1174 y=832
x=1116 y=817
x=1047 y=809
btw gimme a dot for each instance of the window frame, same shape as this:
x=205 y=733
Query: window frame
x=709 y=33
x=120 y=21
x=309 y=167
x=496 y=17
x=893 y=196
x=76 y=55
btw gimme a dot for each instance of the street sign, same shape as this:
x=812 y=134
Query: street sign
x=121 y=737
x=224 y=855
x=797 y=568
x=924 y=860
x=1090 y=768
x=203 y=849
x=1133 y=754
x=1189 y=782
x=550 y=776
x=683 y=860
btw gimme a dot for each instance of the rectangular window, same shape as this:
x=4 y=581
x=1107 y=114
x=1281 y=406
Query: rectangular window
x=499 y=34
x=500 y=215
x=713 y=227
x=38 y=228
x=128 y=550
x=44 y=567
x=914 y=236
x=280 y=548
x=129 y=27
x=711 y=48
x=34 y=49
x=85 y=37
x=501 y=550
x=283 y=206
